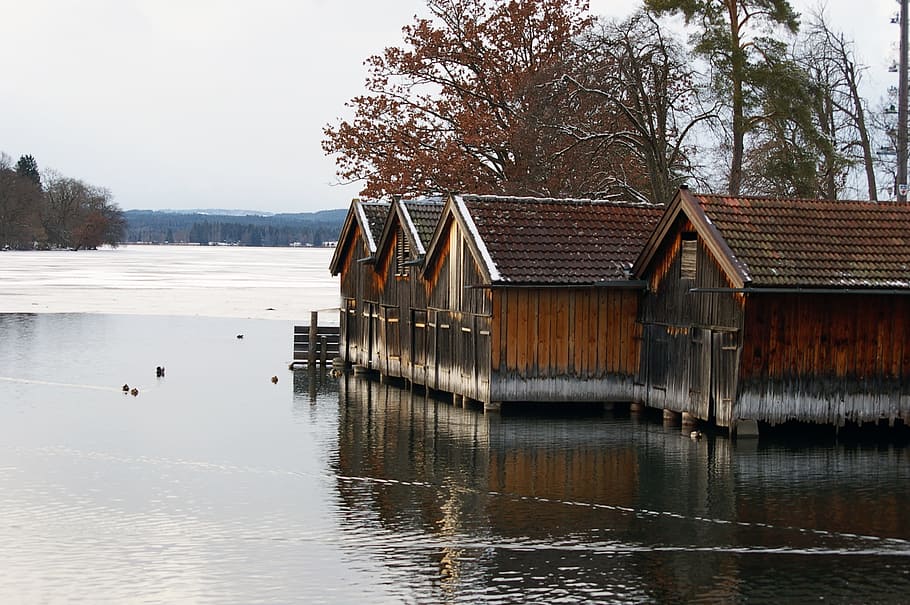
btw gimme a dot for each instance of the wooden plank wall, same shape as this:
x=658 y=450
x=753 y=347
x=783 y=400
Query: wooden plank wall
x=579 y=332
x=458 y=333
x=359 y=288
x=825 y=358
x=669 y=301
x=691 y=341
x=564 y=344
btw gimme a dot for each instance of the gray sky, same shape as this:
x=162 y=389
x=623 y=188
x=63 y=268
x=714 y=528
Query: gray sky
x=221 y=103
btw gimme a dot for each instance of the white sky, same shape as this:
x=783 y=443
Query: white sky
x=221 y=103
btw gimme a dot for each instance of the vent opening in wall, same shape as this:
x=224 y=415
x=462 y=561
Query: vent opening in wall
x=402 y=253
x=688 y=256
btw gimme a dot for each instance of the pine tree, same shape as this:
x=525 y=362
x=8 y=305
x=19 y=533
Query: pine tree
x=737 y=38
x=27 y=168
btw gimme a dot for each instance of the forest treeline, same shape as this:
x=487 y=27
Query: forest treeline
x=50 y=210
x=543 y=98
x=45 y=210
x=308 y=228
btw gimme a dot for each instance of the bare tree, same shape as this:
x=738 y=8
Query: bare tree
x=840 y=110
x=78 y=215
x=635 y=71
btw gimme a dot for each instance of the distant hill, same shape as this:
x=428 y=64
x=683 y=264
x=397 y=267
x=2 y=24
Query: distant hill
x=247 y=228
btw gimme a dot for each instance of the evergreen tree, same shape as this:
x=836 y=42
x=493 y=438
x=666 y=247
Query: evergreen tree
x=27 y=168
x=738 y=38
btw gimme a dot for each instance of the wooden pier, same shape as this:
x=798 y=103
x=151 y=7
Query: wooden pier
x=315 y=344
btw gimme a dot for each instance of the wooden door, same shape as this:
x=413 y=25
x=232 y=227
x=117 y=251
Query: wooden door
x=349 y=335
x=699 y=359
x=725 y=352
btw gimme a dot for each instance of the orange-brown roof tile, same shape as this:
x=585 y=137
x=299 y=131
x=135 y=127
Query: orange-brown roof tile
x=815 y=243
x=555 y=241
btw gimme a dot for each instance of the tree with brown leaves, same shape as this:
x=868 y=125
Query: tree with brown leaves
x=470 y=103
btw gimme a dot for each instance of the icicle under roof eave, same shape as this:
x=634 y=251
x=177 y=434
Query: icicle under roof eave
x=481 y=245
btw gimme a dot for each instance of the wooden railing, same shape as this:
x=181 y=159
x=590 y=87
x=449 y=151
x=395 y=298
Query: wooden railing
x=315 y=344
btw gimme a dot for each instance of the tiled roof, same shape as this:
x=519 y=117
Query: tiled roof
x=553 y=241
x=376 y=213
x=425 y=215
x=815 y=243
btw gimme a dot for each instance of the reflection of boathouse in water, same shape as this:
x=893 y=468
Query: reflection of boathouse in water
x=611 y=501
x=724 y=309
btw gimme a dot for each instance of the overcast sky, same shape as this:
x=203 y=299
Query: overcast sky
x=221 y=103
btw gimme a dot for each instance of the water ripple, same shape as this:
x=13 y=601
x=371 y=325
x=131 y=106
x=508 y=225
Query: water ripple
x=889 y=545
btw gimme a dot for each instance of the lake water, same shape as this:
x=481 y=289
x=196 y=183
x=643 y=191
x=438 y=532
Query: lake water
x=215 y=485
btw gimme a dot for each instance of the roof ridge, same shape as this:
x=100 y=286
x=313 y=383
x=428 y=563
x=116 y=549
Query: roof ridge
x=554 y=200
x=875 y=203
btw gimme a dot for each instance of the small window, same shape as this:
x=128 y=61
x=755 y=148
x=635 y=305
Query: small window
x=402 y=254
x=688 y=256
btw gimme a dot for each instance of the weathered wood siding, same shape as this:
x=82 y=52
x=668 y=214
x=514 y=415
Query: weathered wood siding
x=564 y=344
x=825 y=358
x=691 y=341
x=402 y=317
x=359 y=293
x=457 y=337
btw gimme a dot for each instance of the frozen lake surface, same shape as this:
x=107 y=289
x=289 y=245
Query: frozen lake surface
x=215 y=485
x=213 y=281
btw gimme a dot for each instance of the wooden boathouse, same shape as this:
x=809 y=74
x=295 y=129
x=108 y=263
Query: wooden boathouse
x=398 y=322
x=498 y=299
x=772 y=310
x=352 y=259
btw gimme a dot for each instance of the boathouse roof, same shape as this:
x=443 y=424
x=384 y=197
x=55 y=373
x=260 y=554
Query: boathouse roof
x=787 y=243
x=366 y=218
x=374 y=214
x=556 y=241
x=423 y=215
x=417 y=218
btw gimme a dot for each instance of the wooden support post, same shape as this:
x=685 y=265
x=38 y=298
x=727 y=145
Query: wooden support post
x=492 y=406
x=671 y=418
x=688 y=419
x=746 y=428
x=311 y=345
x=323 y=350
x=636 y=407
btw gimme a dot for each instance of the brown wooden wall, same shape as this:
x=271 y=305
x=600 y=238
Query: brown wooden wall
x=825 y=358
x=359 y=288
x=556 y=343
x=691 y=341
x=456 y=342
x=670 y=301
x=401 y=320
